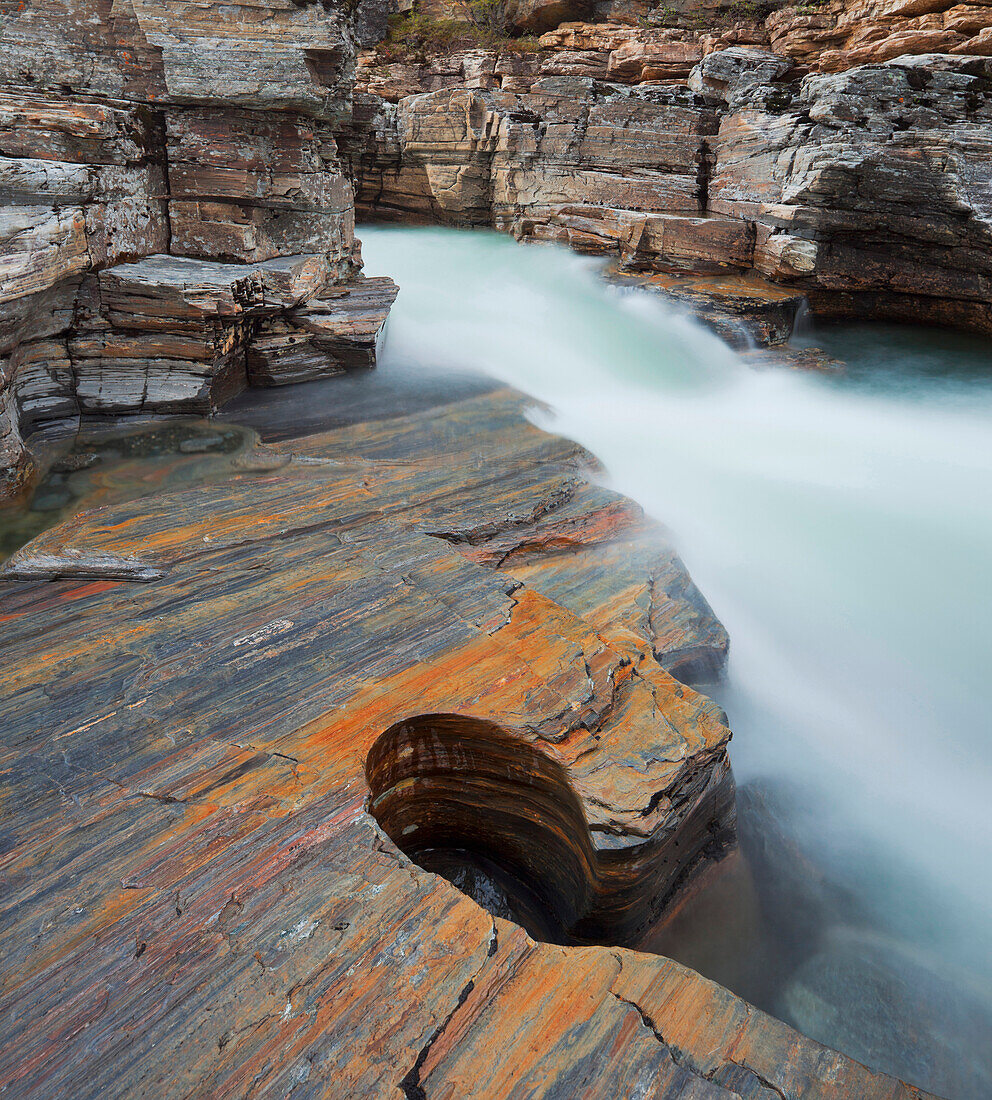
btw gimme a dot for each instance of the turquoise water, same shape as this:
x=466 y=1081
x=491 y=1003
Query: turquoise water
x=95 y=465
x=841 y=529
x=908 y=362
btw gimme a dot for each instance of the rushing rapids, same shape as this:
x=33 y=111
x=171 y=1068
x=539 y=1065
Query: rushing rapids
x=837 y=526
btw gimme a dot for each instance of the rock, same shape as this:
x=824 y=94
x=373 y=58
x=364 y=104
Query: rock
x=720 y=74
x=337 y=332
x=861 y=190
x=798 y=358
x=603 y=37
x=16 y=465
x=743 y=311
x=215 y=776
x=865 y=189
x=249 y=186
x=837 y=36
x=46 y=385
x=538 y=16
x=662 y=58
x=372 y=20
x=573 y=159
x=190 y=131
x=594 y=63
x=633 y=586
x=923 y=1019
x=169 y=334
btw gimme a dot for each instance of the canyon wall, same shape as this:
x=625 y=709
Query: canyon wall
x=709 y=154
x=177 y=221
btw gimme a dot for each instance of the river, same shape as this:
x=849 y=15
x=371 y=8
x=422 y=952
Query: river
x=841 y=528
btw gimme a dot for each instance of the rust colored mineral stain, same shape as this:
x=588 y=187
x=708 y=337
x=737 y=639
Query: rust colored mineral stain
x=189 y=761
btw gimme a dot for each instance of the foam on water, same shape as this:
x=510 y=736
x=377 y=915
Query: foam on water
x=841 y=529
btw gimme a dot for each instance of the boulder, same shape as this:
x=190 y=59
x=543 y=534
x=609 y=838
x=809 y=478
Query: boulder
x=720 y=74
x=866 y=188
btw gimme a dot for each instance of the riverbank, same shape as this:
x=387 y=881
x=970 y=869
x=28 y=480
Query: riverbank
x=197 y=762
x=810 y=508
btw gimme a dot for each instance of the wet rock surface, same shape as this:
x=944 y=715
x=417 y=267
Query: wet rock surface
x=211 y=775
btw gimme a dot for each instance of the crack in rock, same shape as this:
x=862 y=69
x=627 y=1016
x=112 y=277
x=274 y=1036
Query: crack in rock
x=411 y=1083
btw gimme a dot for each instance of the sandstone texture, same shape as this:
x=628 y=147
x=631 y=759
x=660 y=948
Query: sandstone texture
x=838 y=34
x=865 y=191
x=171 y=189
x=239 y=716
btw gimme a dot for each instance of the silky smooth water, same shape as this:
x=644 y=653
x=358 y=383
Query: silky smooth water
x=841 y=529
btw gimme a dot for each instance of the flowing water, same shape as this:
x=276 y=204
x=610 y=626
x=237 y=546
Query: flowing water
x=841 y=529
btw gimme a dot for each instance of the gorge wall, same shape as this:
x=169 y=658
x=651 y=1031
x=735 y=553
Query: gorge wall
x=233 y=704
x=865 y=188
x=176 y=219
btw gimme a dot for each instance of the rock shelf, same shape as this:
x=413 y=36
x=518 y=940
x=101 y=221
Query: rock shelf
x=204 y=767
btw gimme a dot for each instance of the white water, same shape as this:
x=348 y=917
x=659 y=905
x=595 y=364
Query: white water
x=842 y=532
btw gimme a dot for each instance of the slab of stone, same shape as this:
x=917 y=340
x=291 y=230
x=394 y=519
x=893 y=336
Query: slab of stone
x=216 y=780
x=337 y=332
x=743 y=310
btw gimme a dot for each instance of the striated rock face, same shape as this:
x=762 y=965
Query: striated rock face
x=867 y=190
x=233 y=708
x=171 y=187
x=594 y=165
x=836 y=35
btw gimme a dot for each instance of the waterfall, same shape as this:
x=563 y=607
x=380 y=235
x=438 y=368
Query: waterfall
x=840 y=528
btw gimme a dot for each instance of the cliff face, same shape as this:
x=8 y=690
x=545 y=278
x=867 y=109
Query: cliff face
x=837 y=35
x=865 y=190
x=174 y=208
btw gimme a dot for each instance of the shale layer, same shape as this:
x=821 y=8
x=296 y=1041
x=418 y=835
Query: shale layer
x=230 y=709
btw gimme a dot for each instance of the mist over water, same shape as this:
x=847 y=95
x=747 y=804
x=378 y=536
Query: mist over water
x=841 y=529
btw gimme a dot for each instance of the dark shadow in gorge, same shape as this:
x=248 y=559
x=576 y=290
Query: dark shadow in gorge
x=498 y=818
x=489 y=813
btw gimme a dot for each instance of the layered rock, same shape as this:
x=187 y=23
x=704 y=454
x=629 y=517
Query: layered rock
x=146 y=130
x=869 y=189
x=213 y=776
x=865 y=191
x=836 y=35
x=601 y=167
